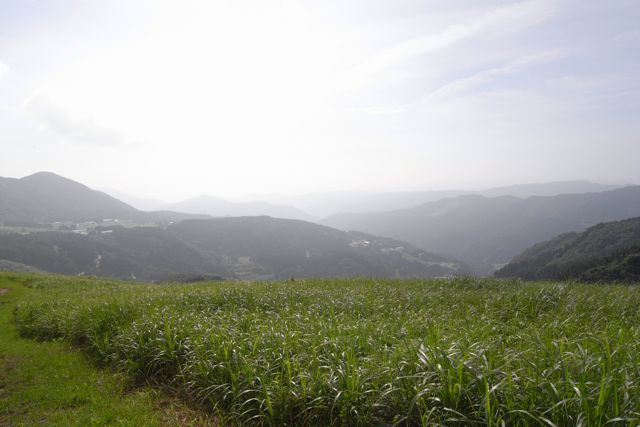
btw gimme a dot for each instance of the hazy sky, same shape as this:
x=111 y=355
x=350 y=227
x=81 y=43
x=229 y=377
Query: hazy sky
x=174 y=98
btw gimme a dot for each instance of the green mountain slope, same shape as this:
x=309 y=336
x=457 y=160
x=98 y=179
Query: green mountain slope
x=605 y=252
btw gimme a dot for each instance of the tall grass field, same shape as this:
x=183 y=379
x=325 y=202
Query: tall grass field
x=363 y=351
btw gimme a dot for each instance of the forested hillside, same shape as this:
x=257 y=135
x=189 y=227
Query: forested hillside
x=234 y=248
x=605 y=252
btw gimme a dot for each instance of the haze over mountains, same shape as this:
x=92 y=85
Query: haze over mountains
x=322 y=205
x=213 y=206
x=217 y=207
x=141 y=203
x=489 y=231
x=475 y=233
x=152 y=247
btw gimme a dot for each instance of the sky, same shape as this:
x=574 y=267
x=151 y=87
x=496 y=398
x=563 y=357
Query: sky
x=169 y=99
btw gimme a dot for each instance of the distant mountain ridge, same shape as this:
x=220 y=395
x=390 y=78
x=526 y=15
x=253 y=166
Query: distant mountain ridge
x=235 y=248
x=605 y=252
x=548 y=189
x=217 y=207
x=486 y=231
x=325 y=204
x=140 y=203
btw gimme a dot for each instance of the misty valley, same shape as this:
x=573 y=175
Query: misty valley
x=53 y=224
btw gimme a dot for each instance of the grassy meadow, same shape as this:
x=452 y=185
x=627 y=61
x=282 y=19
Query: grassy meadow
x=360 y=351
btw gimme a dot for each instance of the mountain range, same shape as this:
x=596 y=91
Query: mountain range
x=164 y=244
x=309 y=207
x=483 y=232
x=321 y=205
x=487 y=232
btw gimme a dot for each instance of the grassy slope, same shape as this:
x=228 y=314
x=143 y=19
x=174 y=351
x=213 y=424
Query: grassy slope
x=47 y=383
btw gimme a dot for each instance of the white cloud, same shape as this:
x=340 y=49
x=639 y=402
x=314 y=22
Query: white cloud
x=467 y=83
x=79 y=131
x=503 y=20
x=460 y=86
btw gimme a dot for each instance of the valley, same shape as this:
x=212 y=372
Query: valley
x=72 y=225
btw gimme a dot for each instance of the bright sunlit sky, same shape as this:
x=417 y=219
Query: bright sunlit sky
x=170 y=99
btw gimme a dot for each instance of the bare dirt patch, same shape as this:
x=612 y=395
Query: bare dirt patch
x=4 y=291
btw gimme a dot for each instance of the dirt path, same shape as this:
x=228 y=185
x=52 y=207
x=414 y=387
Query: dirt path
x=4 y=291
